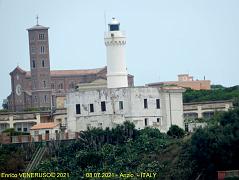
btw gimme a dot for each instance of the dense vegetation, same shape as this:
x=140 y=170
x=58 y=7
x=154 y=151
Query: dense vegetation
x=217 y=93
x=125 y=149
x=13 y=158
x=120 y=150
x=211 y=149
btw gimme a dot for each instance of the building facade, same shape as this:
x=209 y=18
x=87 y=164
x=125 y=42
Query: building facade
x=23 y=121
x=39 y=87
x=143 y=106
x=206 y=109
x=197 y=114
x=185 y=81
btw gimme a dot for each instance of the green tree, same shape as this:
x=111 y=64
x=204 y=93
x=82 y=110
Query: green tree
x=231 y=93
x=176 y=132
x=216 y=148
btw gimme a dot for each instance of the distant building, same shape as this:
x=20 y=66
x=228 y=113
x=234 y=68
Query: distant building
x=195 y=111
x=185 y=81
x=50 y=129
x=205 y=109
x=23 y=121
x=40 y=87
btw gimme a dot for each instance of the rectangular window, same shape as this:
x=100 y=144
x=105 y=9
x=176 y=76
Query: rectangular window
x=25 y=129
x=91 y=107
x=103 y=106
x=45 y=98
x=158 y=120
x=43 y=63
x=19 y=129
x=145 y=103
x=158 y=103
x=121 y=105
x=53 y=101
x=78 y=111
x=146 y=121
x=33 y=64
x=42 y=50
x=41 y=36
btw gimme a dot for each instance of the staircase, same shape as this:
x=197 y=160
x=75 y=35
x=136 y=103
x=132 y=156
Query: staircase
x=36 y=158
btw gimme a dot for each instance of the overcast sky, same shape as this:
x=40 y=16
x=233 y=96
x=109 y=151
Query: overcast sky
x=164 y=37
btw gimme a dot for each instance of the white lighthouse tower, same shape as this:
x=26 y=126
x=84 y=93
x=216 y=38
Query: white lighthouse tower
x=115 y=41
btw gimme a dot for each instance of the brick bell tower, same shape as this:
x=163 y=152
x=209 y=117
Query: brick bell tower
x=40 y=66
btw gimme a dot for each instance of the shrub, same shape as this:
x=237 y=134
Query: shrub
x=176 y=132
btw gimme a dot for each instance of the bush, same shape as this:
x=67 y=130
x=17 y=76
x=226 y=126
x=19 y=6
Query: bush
x=176 y=132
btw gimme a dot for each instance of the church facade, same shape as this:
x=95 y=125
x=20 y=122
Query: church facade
x=39 y=87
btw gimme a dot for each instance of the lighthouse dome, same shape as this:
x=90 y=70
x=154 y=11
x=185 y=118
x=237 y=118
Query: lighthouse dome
x=114 y=25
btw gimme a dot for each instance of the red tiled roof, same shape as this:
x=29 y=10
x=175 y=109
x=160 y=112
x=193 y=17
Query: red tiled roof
x=175 y=82
x=55 y=73
x=50 y=125
x=72 y=72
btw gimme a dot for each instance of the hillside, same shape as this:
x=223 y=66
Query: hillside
x=126 y=151
x=217 y=93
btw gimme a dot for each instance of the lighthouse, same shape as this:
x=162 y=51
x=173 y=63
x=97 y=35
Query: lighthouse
x=115 y=41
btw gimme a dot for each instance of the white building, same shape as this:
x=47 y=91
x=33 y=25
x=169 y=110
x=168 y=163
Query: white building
x=144 y=106
x=106 y=107
x=47 y=130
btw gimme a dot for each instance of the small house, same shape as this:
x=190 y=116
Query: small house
x=45 y=131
